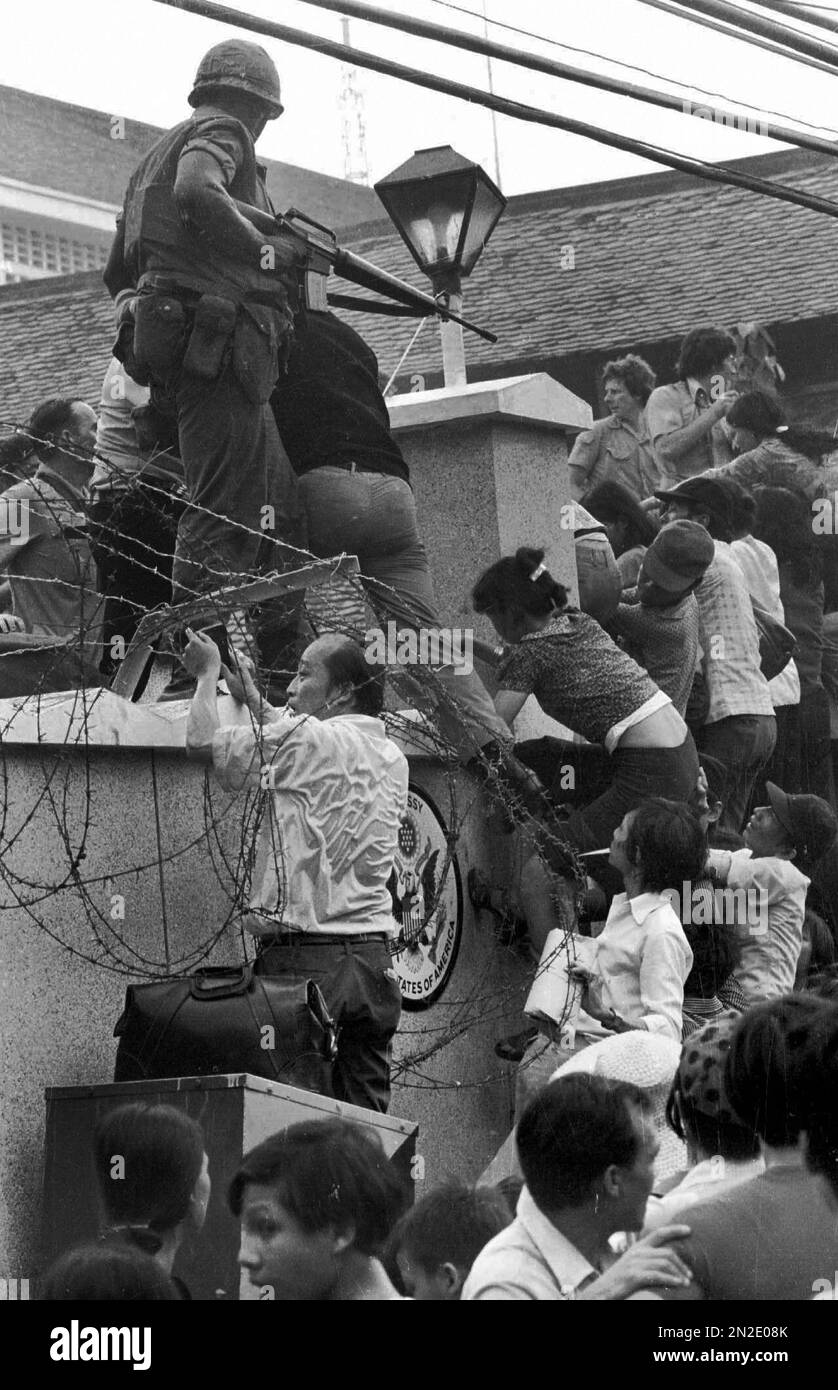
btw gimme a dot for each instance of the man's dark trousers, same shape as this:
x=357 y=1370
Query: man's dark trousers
x=241 y=488
x=363 y=997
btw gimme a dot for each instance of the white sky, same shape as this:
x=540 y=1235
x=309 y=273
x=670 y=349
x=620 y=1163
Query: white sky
x=136 y=58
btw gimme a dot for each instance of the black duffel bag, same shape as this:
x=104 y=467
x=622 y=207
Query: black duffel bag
x=226 y=1019
x=777 y=645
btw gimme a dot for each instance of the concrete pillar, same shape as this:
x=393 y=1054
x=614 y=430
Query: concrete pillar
x=488 y=464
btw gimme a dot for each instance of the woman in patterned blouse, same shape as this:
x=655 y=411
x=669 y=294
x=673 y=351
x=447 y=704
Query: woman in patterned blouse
x=582 y=679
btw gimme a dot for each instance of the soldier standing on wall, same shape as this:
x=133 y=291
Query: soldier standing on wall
x=209 y=325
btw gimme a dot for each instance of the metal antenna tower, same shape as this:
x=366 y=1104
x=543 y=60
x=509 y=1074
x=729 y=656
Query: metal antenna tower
x=351 y=102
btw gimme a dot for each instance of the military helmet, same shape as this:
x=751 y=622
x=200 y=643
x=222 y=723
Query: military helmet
x=241 y=66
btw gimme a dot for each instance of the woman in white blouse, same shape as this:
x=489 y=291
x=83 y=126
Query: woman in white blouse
x=643 y=956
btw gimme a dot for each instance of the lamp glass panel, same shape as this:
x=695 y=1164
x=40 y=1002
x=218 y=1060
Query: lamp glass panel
x=485 y=213
x=430 y=217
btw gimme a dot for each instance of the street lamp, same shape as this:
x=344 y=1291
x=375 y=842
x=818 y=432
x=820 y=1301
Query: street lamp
x=444 y=208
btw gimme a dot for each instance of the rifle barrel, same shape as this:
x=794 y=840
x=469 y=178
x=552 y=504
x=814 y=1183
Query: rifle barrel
x=360 y=272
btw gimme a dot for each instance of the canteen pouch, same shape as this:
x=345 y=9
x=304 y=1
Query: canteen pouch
x=226 y=1019
x=777 y=645
x=159 y=334
x=123 y=348
x=260 y=331
x=209 y=342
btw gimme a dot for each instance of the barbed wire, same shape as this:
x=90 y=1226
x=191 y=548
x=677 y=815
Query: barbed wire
x=65 y=802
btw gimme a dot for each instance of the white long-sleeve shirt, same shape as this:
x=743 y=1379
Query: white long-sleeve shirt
x=643 y=959
x=771 y=932
x=336 y=791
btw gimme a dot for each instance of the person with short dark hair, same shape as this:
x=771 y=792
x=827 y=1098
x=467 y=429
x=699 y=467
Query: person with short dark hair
x=722 y=1151
x=436 y=1242
x=772 y=453
x=317 y=1202
x=109 y=1271
x=630 y=529
x=642 y=954
x=338 y=787
x=152 y=1174
x=587 y=1148
x=685 y=419
x=739 y=728
x=771 y=1238
x=617 y=448
x=48 y=591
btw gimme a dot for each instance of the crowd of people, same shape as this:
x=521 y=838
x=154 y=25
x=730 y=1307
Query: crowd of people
x=748 y=1210
x=241 y=431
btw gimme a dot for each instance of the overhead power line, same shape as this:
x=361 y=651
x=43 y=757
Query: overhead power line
x=768 y=28
x=808 y=15
x=473 y=43
x=634 y=67
x=678 y=12
x=518 y=110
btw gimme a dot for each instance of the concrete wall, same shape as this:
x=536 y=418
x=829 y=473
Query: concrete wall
x=165 y=838
x=104 y=816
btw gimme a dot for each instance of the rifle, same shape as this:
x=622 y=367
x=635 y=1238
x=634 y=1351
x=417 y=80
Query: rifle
x=320 y=254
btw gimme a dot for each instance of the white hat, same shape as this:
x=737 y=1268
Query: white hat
x=648 y=1061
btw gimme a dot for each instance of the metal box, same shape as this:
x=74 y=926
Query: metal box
x=236 y=1112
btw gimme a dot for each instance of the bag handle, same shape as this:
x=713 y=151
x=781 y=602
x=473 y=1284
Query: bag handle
x=220 y=981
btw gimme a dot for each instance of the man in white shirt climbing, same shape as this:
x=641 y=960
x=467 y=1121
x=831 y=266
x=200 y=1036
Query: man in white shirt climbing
x=336 y=788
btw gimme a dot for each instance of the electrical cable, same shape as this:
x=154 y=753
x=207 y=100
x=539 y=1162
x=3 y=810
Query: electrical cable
x=632 y=67
x=685 y=164
x=802 y=12
x=471 y=43
x=754 y=23
x=730 y=32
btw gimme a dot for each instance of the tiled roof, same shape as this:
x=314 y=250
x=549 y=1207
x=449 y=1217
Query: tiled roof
x=55 y=339
x=53 y=144
x=653 y=256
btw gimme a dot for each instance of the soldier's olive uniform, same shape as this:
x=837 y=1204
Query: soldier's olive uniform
x=209 y=331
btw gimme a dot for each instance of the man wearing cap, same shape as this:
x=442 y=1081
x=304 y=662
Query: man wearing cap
x=784 y=840
x=660 y=619
x=685 y=419
x=206 y=316
x=740 y=729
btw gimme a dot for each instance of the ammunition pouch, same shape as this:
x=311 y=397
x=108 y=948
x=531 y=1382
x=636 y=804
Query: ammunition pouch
x=159 y=335
x=123 y=348
x=213 y=325
x=261 y=339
